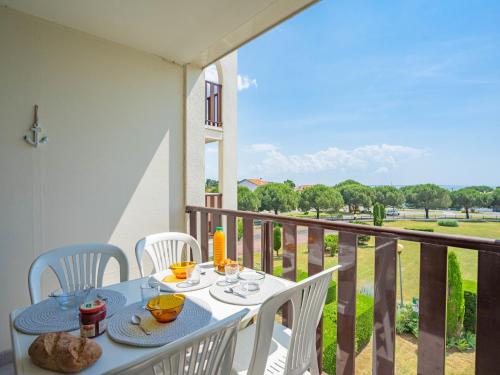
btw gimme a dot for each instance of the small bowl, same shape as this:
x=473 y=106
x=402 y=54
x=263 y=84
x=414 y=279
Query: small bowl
x=166 y=307
x=251 y=281
x=71 y=299
x=180 y=269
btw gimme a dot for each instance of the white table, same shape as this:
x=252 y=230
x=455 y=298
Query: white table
x=115 y=354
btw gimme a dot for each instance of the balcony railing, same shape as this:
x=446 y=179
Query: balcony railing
x=213 y=104
x=433 y=283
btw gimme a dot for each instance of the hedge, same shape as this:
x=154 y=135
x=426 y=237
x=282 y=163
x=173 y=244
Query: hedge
x=421 y=229
x=364 y=328
x=470 y=302
x=447 y=223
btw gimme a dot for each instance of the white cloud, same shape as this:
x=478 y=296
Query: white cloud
x=245 y=82
x=369 y=158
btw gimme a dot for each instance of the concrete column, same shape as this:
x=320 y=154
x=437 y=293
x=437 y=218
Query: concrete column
x=227 y=69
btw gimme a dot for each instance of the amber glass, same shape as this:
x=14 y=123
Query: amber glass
x=179 y=269
x=166 y=307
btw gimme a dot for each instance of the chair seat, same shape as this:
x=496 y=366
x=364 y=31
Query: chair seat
x=277 y=352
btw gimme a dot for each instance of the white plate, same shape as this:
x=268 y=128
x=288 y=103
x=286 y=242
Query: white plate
x=180 y=286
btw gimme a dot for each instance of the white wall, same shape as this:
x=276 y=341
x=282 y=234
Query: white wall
x=113 y=168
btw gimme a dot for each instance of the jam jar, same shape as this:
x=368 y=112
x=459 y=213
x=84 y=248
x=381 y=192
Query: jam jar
x=92 y=315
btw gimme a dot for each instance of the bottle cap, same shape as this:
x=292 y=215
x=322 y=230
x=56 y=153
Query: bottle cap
x=219 y=228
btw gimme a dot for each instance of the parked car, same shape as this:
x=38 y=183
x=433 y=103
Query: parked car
x=392 y=212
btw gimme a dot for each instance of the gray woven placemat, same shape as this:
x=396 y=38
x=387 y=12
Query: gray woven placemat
x=181 y=286
x=267 y=289
x=46 y=316
x=195 y=315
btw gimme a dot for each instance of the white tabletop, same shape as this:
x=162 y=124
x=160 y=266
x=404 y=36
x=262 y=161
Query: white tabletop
x=114 y=354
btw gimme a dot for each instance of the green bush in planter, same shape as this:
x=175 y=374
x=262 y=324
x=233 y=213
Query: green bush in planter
x=470 y=304
x=332 y=244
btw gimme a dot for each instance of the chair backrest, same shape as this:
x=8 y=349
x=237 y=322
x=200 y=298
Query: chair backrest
x=209 y=351
x=75 y=266
x=307 y=299
x=165 y=249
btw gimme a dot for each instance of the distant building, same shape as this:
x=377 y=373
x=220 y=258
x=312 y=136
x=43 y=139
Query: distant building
x=252 y=183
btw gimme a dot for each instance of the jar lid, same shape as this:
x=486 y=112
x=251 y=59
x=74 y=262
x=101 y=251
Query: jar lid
x=92 y=307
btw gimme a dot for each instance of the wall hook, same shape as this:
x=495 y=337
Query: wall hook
x=34 y=138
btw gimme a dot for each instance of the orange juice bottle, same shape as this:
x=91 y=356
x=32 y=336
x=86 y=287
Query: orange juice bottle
x=219 y=246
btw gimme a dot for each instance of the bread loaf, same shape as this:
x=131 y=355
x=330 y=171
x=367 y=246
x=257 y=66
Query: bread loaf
x=62 y=352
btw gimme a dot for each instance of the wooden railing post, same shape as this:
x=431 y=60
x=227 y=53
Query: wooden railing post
x=432 y=309
x=267 y=248
x=488 y=314
x=315 y=264
x=384 y=327
x=248 y=242
x=193 y=226
x=231 y=229
x=289 y=265
x=346 y=304
x=204 y=236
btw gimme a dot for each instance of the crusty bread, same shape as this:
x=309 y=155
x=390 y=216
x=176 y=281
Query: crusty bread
x=62 y=352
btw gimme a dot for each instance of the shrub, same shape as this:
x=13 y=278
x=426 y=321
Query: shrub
x=240 y=228
x=332 y=244
x=364 y=328
x=455 y=303
x=362 y=239
x=422 y=229
x=466 y=341
x=447 y=223
x=378 y=214
x=277 y=239
x=470 y=305
x=407 y=320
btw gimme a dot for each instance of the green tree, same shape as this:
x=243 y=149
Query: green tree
x=320 y=197
x=428 y=197
x=277 y=239
x=495 y=198
x=289 y=183
x=455 y=303
x=467 y=198
x=378 y=214
x=389 y=196
x=276 y=197
x=211 y=186
x=482 y=188
x=356 y=195
x=247 y=199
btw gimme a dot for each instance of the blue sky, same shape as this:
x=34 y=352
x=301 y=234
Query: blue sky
x=385 y=92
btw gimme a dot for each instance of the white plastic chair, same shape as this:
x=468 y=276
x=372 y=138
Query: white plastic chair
x=277 y=349
x=208 y=351
x=165 y=249
x=76 y=265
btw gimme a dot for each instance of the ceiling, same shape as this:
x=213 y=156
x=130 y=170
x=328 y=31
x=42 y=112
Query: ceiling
x=182 y=31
